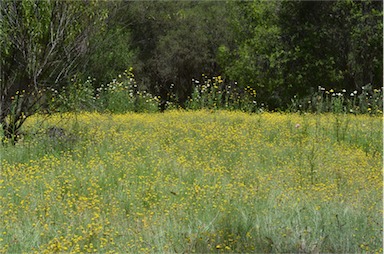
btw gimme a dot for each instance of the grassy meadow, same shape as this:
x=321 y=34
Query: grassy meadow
x=200 y=181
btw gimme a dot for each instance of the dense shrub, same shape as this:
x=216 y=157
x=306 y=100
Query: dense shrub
x=123 y=95
x=214 y=93
x=367 y=100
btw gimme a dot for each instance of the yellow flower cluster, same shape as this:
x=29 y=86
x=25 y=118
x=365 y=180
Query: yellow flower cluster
x=196 y=182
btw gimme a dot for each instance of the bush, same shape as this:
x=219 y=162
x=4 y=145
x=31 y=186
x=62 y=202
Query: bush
x=214 y=93
x=77 y=97
x=368 y=100
x=123 y=95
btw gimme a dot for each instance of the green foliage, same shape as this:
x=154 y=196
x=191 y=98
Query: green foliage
x=289 y=48
x=77 y=97
x=284 y=50
x=110 y=51
x=214 y=93
x=257 y=60
x=42 y=45
x=368 y=100
x=123 y=95
x=176 y=41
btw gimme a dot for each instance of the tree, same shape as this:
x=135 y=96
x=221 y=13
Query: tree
x=257 y=59
x=289 y=48
x=365 y=59
x=41 y=45
x=176 y=41
x=332 y=44
x=110 y=52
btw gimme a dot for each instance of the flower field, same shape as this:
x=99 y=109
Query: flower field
x=200 y=181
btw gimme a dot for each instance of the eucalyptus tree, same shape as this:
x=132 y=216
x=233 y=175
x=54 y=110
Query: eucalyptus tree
x=41 y=46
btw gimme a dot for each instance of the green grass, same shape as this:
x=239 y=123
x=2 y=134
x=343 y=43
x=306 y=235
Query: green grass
x=194 y=182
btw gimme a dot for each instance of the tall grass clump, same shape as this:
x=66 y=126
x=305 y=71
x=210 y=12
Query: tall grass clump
x=214 y=93
x=366 y=101
x=193 y=181
x=77 y=97
x=123 y=95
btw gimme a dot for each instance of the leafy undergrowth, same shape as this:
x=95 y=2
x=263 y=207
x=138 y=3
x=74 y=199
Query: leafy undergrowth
x=194 y=182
